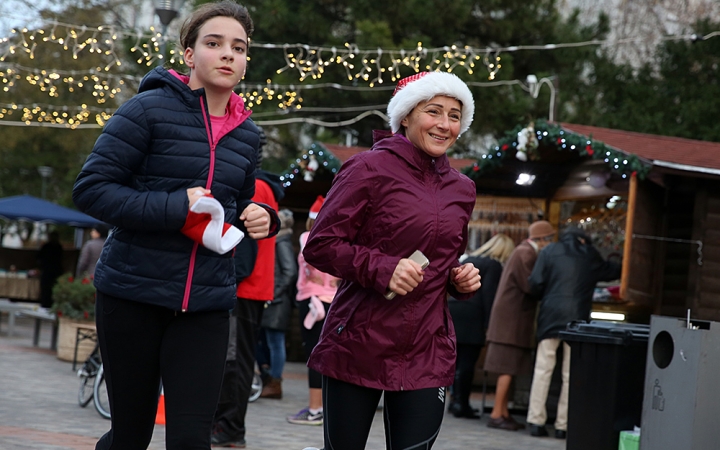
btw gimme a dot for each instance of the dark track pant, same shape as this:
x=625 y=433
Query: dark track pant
x=412 y=418
x=239 y=368
x=142 y=344
x=467 y=356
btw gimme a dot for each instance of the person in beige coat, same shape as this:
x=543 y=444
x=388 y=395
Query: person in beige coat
x=512 y=318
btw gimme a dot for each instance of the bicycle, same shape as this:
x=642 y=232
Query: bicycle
x=92 y=384
x=100 y=395
x=87 y=374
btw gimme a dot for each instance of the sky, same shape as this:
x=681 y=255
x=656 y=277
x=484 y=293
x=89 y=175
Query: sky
x=15 y=13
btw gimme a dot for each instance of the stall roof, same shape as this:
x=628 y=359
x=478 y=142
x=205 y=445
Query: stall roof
x=33 y=209
x=664 y=151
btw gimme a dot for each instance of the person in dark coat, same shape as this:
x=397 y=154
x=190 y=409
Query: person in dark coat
x=276 y=317
x=50 y=260
x=565 y=276
x=510 y=331
x=173 y=172
x=471 y=319
x=386 y=203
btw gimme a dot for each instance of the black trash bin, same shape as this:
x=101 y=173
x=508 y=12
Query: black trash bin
x=607 y=375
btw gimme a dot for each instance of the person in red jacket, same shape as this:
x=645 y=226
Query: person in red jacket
x=386 y=203
x=253 y=291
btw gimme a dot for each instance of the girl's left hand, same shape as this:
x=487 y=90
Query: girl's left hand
x=256 y=220
x=465 y=278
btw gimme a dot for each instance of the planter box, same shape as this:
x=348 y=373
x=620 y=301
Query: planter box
x=67 y=337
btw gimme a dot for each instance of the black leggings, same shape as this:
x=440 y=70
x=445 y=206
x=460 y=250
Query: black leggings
x=412 y=418
x=142 y=343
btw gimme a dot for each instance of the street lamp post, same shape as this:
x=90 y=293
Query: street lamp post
x=534 y=89
x=166 y=10
x=45 y=173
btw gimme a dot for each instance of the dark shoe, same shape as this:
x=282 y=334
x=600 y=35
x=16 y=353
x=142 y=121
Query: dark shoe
x=503 y=423
x=520 y=426
x=458 y=410
x=272 y=389
x=221 y=439
x=537 y=430
x=561 y=434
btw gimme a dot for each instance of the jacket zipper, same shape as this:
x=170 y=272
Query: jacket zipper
x=211 y=172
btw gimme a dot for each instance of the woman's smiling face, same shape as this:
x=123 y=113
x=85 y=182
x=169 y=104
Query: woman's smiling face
x=434 y=126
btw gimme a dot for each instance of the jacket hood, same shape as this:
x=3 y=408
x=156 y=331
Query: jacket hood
x=401 y=146
x=273 y=181
x=570 y=240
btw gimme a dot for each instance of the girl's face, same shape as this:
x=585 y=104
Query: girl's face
x=219 y=57
x=434 y=126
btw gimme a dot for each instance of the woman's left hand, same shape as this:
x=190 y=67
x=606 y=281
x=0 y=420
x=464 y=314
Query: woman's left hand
x=256 y=220
x=465 y=278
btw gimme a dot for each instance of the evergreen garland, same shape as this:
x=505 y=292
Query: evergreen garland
x=303 y=166
x=547 y=134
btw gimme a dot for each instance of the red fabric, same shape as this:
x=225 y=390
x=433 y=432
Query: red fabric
x=405 y=81
x=260 y=285
x=195 y=226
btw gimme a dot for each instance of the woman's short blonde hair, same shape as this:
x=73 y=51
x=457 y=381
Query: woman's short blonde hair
x=498 y=247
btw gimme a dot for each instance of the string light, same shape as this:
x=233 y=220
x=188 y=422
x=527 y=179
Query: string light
x=374 y=66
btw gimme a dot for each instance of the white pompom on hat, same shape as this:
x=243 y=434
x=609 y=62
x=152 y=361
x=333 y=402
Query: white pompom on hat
x=422 y=87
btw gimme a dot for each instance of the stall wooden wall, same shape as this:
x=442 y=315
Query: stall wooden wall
x=705 y=286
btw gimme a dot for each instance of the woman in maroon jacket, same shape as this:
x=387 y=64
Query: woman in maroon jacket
x=385 y=203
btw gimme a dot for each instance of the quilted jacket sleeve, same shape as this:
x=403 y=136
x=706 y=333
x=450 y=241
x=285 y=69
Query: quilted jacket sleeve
x=103 y=187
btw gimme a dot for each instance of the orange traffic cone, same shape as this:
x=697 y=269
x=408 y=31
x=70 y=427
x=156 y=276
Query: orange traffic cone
x=160 y=416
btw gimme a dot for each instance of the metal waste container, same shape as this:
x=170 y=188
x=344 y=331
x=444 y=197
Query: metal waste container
x=607 y=371
x=682 y=396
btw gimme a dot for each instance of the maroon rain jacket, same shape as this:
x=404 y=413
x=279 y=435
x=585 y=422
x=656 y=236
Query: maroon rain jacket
x=385 y=204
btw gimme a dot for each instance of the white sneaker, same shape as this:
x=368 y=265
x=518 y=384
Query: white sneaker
x=311 y=448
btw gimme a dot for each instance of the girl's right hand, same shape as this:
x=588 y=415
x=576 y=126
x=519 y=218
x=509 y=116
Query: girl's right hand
x=194 y=193
x=406 y=277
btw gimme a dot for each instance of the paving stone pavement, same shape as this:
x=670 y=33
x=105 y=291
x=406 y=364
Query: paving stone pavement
x=39 y=410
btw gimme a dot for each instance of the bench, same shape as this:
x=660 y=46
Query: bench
x=82 y=333
x=41 y=316
x=11 y=308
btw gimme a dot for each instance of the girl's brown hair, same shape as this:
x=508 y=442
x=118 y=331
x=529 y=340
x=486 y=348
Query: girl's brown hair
x=225 y=8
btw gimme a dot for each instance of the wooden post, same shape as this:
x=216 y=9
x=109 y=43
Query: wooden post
x=627 y=249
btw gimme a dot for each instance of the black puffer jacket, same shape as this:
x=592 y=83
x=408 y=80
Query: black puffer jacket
x=156 y=146
x=565 y=275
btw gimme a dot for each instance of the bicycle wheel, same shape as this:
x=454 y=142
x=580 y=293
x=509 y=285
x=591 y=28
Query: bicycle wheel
x=85 y=393
x=100 y=395
x=255 y=388
x=87 y=374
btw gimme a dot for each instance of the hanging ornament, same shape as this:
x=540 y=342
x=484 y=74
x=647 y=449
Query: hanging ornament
x=311 y=168
x=526 y=142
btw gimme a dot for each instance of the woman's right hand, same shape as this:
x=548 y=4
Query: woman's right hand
x=194 y=193
x=406 y=277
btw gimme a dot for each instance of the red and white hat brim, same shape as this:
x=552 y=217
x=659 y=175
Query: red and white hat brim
x=424 y=89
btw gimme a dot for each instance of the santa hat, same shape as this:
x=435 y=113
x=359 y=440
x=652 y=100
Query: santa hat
x=422 y=87
x=315 y=208
x=205 y=224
